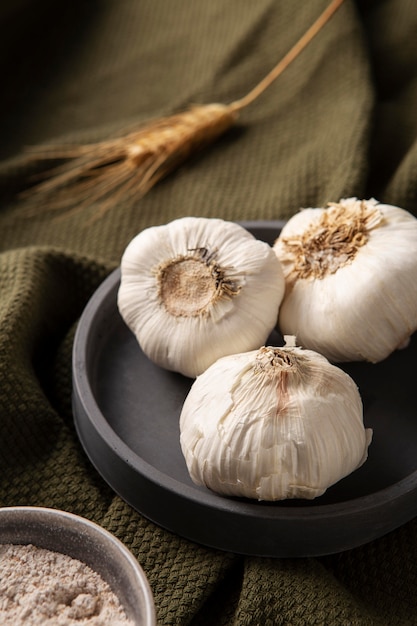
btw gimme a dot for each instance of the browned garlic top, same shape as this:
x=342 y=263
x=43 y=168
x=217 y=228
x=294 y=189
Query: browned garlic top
x=332 y=241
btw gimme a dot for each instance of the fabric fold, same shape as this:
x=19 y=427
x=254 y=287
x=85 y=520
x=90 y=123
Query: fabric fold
x=339 y=122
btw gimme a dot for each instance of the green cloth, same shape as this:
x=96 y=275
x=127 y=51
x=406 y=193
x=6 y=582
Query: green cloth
x=341 y=121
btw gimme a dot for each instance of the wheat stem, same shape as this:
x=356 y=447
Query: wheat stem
x=298 y=47
x=117 y=170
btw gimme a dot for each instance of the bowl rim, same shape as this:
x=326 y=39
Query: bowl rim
x=355 y=521
x=38 y=515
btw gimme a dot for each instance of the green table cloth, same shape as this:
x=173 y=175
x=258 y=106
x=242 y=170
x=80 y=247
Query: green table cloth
x=341 y=121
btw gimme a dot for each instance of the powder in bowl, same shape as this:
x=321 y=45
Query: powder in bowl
x=39 y=586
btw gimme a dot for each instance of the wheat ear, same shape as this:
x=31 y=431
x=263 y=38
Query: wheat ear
x=122 y=170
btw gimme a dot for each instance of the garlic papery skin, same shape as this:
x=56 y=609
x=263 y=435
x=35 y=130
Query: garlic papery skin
x=351 y=279
x=196 y=289
x=273 y=424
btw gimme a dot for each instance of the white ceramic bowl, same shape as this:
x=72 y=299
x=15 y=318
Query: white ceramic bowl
x=86 y=541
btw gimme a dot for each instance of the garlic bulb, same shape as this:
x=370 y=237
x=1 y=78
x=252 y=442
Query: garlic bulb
x=197 y=289
x=351 y=279
x=271 y=424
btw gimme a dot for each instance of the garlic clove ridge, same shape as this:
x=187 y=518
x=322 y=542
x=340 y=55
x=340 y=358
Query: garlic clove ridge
x=351 y=279
x=273 y=424
x=196 y=289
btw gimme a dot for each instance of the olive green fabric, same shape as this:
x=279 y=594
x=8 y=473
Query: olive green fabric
x=341 y=121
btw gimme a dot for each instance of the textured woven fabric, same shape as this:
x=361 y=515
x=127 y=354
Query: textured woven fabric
x=341 y=121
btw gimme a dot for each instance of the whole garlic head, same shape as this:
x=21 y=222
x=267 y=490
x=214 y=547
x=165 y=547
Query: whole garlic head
x=197 y=289
x=351 y=279
x=271 y=424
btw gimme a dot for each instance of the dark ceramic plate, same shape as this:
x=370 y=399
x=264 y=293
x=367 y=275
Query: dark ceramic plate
x=127 y=409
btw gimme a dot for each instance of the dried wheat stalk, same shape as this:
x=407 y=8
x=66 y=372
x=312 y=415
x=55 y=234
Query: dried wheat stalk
x=124 y=169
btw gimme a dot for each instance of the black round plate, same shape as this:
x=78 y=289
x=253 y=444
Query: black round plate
x=126 y=412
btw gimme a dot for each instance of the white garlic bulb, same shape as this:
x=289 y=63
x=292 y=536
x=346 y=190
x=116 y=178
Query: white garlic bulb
x=351 y=279
x=273 y=423
x=197 y=289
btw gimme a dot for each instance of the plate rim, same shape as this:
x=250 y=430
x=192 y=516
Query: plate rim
x=250 y=509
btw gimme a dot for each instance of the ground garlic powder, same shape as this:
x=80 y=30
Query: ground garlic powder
x=41 y=587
